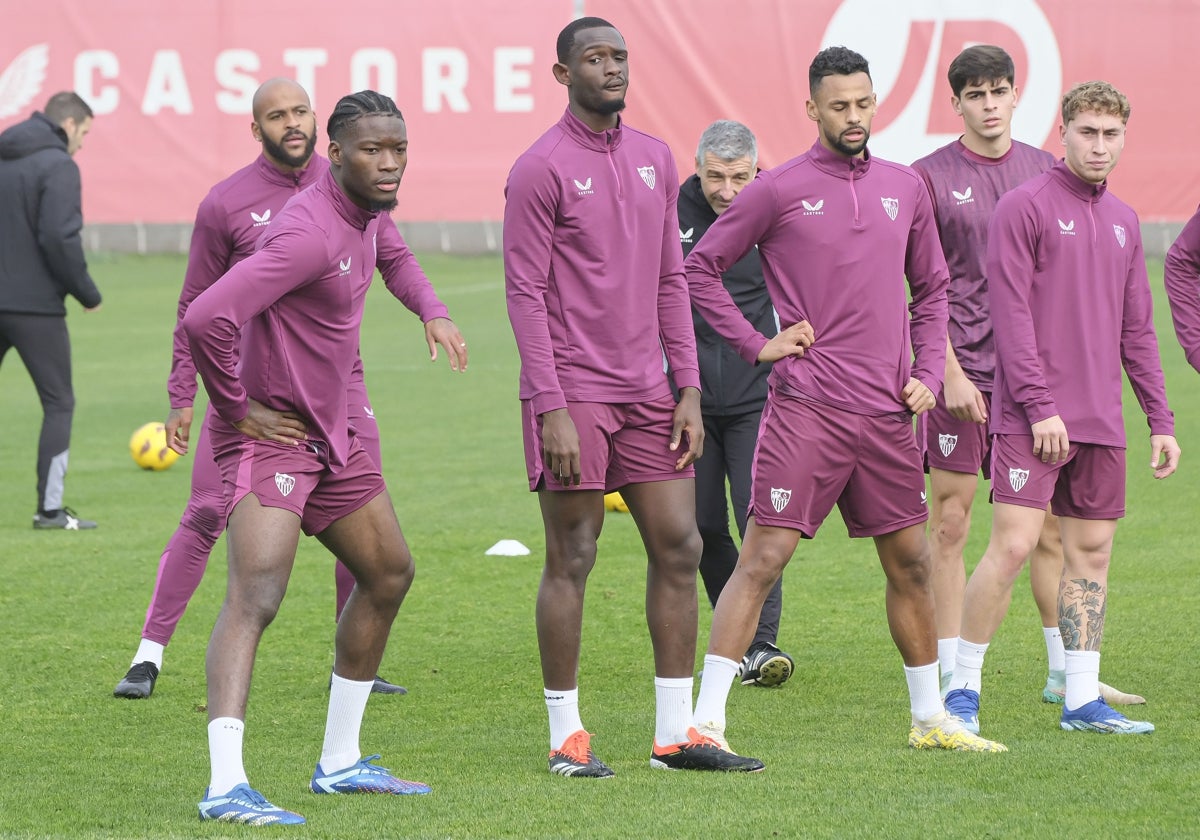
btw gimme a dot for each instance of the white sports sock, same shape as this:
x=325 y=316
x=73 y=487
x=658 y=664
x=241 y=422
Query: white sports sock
x=563 y=707
x=1083 y=677
x=1055 y=657
x=347 y=702
x=924 y=694
x=715 y=683
x=947 y=650
x=225 y=755
x=672 y=709
x=149 y=651
x=968 y=665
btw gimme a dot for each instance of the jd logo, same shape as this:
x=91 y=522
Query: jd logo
x=910 y=45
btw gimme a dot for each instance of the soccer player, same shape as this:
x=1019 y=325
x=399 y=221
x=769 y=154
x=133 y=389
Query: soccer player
x=40 y=219
x=733 y=391
x=229 y=223
x=1181 y=276
x=288 y=457
x=596 y=296
x=1070 y=307
x=965 y=179
x=838 y=231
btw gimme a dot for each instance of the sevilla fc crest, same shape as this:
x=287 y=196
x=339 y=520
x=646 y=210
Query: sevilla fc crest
x=1017 y=479
x=1120 y=232
x=647 y=173
x=780 y=498
x=947 y=444
x=285 y=483
x=891 y=206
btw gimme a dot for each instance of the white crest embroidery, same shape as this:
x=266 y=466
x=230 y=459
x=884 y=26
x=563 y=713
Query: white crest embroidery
x=344 y=265
x=1120 y=232
x=947 y=444
x=962 y=196
x=586 y=186
x=1067 y=228
x=647 y=173
x=1017 y=479
x=813 y=208
x=285 y=483
x=891 y=206
x=780 y=498
x=264 y=219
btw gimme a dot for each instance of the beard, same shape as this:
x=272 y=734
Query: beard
x=611 y=106
x=382 y=206
x=279 y=153
x=851 y=149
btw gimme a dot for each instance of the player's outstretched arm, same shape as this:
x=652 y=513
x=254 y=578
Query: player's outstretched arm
x=442 y=331
x=1164 y=455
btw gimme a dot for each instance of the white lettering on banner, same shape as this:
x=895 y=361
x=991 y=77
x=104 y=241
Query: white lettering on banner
x=21 y=81
x=444 y=76
x=233 y=70
x=373 y=68
x=167 y=85
x=89 y=65
x=910 y=86
x=511 y=78
x=306 y=60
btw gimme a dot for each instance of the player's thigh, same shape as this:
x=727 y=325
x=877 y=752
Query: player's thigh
x=886 y=489
x=369 y=542
x=663 y=511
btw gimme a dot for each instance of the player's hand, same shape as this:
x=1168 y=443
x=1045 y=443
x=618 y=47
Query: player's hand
x=917 y=396
x=442 y=331
x=688 y=421
x=1050 y=442
x=1164 y=455
x=178 y=426
x=262 y=423
x=963 y=400
x=790 y=342
x=560 y=446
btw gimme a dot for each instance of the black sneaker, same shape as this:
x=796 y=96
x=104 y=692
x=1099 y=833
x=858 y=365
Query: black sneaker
x=63 y=520
x=701 y=752
x=138 y=683
x=575 y=758
x=382 y=686
x=766 y=665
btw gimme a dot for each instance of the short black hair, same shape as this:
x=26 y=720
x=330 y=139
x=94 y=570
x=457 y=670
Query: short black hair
x=566 y=38
x=354 y=106
x=978 y=65
x=66 y=105
x=835 y=61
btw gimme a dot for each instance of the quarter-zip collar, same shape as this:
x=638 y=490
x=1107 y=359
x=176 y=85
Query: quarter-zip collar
x=1076 y=185
x=353 y=214
x=834 y=163
x=297 y=180
x=599 y=141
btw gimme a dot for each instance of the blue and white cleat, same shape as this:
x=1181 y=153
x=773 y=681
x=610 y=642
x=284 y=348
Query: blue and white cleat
x=364 y=777
x=247 y=806
x=963 y=703
x=1098 y=716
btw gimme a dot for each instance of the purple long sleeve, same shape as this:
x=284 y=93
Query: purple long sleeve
x=403 y=275
x=593 y=268
x=1071 y=306
x=838 y=237
x=1181 y=275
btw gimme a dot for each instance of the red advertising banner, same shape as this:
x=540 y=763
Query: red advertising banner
x=171 y=83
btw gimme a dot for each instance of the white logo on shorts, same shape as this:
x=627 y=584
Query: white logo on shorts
x=780 y=498
x=285 y=483
x=947 y=443
x=1017 y=479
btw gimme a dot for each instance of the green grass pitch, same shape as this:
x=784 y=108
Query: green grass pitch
x=76 y=762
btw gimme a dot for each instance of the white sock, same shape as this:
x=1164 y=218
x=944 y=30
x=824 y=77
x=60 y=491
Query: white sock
x=347 y=702
x=924 y=692
x=1083 y=677
x=968 y=665
x=225 y=755
x=672 y=709
x=563 y=707
x=149 y=651
x=715 y=683
x=1055 y=655
x=947 y=650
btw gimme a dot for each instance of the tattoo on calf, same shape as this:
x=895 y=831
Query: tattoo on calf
x=1081 y=606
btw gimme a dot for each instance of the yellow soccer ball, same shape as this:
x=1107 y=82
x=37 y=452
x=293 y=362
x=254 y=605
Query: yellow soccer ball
x=149 y=449
x=613 y=501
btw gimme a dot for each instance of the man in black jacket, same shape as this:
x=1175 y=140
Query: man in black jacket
x=41 y=262
x=733 y=391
